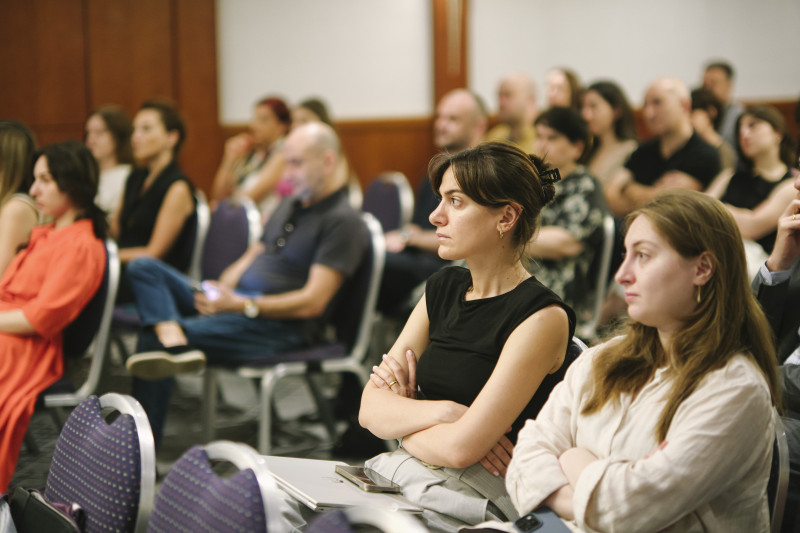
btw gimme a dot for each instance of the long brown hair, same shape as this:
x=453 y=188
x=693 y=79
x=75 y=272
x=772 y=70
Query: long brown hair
x=17 y=145
x=727 y=322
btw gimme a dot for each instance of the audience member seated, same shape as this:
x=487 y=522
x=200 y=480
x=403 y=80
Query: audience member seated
x=676 y=157
x=516 y=110
x=315 y=110
x=668 y=427
x=562 y=251
x=563 y=89
x=270 y=300
x=468 y=343
x=46 y=286
x=108 y=136
x=252 y=163
x=310 y=110
x=718 y=78
x=18 y=213
x=759 y=192
x=610 y=118
x=152 y=219
x=706 y=115
x=412 y=252
x=777 y=287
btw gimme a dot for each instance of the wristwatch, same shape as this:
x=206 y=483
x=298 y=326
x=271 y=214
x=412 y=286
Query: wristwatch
x=250 y=308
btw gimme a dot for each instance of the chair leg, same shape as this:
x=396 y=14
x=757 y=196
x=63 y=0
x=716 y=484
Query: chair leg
x=323 y=404
x=209 y=404
x=268 y=382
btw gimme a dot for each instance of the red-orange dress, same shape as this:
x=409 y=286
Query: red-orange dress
x=50 y=281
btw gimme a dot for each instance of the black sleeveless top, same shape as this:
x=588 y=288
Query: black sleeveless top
x=748 y=191
x=139 y=212
x=466 y=338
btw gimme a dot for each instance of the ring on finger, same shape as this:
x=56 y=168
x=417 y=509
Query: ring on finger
x=794 y=217
x=392 y=383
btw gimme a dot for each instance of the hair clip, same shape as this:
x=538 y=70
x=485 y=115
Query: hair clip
x=550 y=176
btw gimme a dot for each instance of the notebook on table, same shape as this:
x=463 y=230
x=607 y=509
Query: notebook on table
x=315 y=483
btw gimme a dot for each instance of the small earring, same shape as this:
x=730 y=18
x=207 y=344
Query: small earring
x=699 y=287
x=501 y=234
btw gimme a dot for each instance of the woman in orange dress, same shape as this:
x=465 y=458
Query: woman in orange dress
x=46 y=286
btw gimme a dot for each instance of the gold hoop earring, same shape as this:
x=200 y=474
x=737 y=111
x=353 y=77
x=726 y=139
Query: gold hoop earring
x=699 y=287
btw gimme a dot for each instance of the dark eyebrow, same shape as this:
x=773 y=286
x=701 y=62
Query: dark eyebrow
x=451 y=191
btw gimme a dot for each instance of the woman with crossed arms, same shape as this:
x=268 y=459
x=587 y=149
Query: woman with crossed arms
x=485 y=344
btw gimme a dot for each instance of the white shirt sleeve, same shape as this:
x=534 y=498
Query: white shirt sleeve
x=719 y=441
x=534 y=472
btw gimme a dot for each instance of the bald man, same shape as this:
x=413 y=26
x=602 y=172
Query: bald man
x=676 y=156
x=270 y=300
x=516 y=112
x=412 y=252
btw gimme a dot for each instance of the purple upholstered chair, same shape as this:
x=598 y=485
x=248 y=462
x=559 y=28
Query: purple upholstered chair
x=390 y=199
x=108 y=469
x=235 y=225
x=193 y=498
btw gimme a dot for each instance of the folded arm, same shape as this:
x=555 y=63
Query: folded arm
x=515 y=379
x=392 y=416
x=553 y=242
x=755 y=223
x=732 y=417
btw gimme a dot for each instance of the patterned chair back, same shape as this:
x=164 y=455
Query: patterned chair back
x=100 y=467
x=193 y=498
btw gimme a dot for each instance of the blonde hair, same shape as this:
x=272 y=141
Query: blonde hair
x=728 y=320
x=17 y=146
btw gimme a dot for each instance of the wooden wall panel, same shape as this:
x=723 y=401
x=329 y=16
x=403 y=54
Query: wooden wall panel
x=43 y=69
x=377 y=146
x=196 y=89
x=131 y=51
x=62 y=58
x=449 y=46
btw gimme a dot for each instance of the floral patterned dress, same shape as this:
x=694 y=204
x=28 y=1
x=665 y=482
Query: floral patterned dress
x=579 y=208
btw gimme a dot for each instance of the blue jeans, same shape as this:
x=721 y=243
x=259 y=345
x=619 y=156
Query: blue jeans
x=227 y=339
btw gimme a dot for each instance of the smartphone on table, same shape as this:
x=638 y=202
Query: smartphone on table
x=367 y=479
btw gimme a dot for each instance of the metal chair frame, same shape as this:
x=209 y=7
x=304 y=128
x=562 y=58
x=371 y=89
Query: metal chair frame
x=101 y=341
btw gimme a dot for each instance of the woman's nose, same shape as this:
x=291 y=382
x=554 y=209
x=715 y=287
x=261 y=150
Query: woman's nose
x=436 y=215
x=623 y=273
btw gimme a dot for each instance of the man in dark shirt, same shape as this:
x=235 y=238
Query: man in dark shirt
x=676 y=157
x=270 y=300
x=412 y=252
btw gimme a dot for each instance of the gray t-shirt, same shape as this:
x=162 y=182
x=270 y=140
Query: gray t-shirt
x=328 y=233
